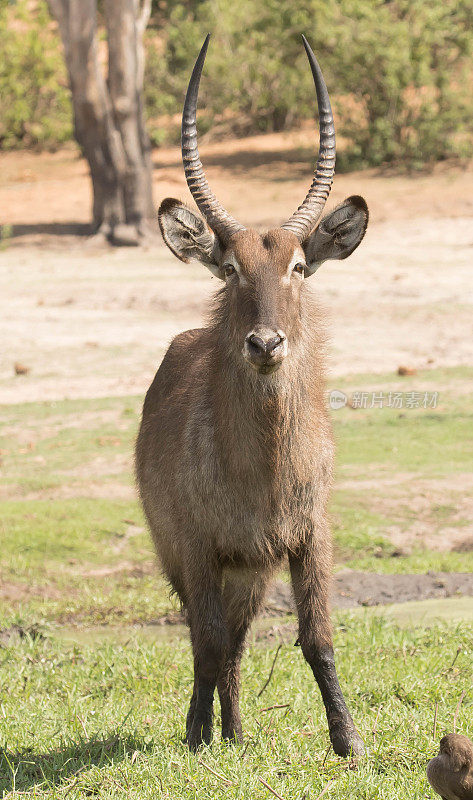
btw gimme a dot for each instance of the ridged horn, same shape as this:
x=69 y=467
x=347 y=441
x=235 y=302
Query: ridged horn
x=219 y=220
x=303 y=220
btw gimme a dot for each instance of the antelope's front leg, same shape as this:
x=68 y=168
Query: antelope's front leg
x=242 y=599
x=311 y=576
x=209 y=637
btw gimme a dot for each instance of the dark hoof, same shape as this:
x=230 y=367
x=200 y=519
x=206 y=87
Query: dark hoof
x=347 y=743
x=198 y=735
x=194 y=743
x=232 y=737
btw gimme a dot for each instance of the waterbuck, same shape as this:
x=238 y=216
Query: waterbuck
x=234 y=455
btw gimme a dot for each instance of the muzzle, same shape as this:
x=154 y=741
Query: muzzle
x=265 y=349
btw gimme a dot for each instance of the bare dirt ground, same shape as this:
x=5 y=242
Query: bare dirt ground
x=89 y=321
x=352 y=589
x=433 y=513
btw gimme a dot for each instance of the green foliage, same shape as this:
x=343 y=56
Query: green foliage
x=399 y=73
x=407 y=68
x=35 y=105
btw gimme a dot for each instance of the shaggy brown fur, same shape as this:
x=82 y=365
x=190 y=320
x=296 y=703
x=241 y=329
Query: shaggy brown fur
x=451 y=772
x=235 y=465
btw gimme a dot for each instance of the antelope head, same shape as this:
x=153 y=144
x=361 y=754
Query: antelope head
x=264 y=273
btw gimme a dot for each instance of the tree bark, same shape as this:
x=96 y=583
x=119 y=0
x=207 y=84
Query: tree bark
x=108 y=114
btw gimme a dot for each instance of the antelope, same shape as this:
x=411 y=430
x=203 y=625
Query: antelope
x=234 y=455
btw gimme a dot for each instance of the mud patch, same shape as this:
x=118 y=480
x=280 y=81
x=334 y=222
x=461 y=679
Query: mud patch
x=16 y=632
x=352 y=589
x=365 y=589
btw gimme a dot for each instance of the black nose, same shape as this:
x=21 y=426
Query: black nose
x=262 y=348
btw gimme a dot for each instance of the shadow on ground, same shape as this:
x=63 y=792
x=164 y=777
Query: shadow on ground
x=26 y=769
x=52 y=229
x=301 y=160
x=242 y=160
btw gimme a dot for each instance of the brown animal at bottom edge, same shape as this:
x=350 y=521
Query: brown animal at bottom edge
x=451 y=772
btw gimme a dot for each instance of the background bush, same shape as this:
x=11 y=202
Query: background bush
x=400 y=73
x=35 y=107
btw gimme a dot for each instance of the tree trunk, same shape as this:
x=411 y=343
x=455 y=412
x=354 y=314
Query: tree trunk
x=108 y=115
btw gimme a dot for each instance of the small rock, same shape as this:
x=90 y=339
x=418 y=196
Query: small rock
x=406 y=371
x=20 y=369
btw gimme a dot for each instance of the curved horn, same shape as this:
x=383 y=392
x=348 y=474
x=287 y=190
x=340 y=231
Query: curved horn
x=304 y=219
x=219 y=220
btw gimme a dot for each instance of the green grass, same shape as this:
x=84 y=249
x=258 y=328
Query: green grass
x=107 y=720
x=404 y=440
x=390 y=453
x=428 y=612
x=74 y=544
x=90 y=561
x=52 y=444
x=362 y=541
x=436 y=441
x=93 y=697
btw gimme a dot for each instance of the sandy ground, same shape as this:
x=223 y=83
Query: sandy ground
x=89 y=321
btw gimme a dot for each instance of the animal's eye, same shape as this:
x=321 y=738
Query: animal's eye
x=228 y=269
x=299 y=268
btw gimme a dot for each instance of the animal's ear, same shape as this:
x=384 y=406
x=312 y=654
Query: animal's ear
x=338 y=234
x=187 y=235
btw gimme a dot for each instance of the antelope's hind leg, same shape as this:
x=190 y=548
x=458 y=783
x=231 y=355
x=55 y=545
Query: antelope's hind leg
x=242 y=598
x=311 y=577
